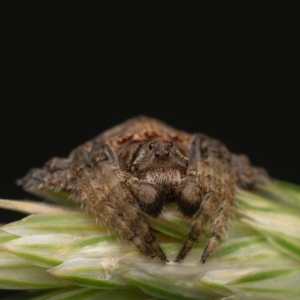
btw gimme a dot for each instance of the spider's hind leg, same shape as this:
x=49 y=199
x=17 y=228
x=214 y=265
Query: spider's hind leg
x=54 y=175
x=248 y=176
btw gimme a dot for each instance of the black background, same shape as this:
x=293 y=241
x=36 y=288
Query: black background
x=229 y=70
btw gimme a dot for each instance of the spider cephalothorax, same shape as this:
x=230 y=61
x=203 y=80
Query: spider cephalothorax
x=140 y=165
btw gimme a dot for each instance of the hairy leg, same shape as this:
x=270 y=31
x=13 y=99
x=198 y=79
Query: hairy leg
x=247 y=176
x=104 y=192
x=225 y=204
x=54 y=175
x=210 y=162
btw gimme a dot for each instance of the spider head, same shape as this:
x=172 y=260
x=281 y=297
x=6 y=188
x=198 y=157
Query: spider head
x=159 y=155
x=160 y=149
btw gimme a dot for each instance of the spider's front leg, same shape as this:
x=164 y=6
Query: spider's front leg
x=104 y=192
x=209 y=188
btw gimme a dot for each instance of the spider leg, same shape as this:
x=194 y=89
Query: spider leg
x=247 y=176
x=212 y=162
x=225 y=204
x=104 y=192
x=55 y=175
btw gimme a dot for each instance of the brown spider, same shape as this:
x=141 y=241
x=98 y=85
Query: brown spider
x=140 y=165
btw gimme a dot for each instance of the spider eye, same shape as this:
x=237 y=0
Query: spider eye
x=170 y=144
x=151 y=145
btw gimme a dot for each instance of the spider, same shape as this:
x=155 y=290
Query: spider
x=138 y=166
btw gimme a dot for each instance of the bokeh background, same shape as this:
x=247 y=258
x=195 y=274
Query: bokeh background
x=229 y=70
x=69 y=71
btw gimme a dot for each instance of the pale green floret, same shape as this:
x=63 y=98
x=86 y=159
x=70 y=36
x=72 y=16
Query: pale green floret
x=59 y=252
